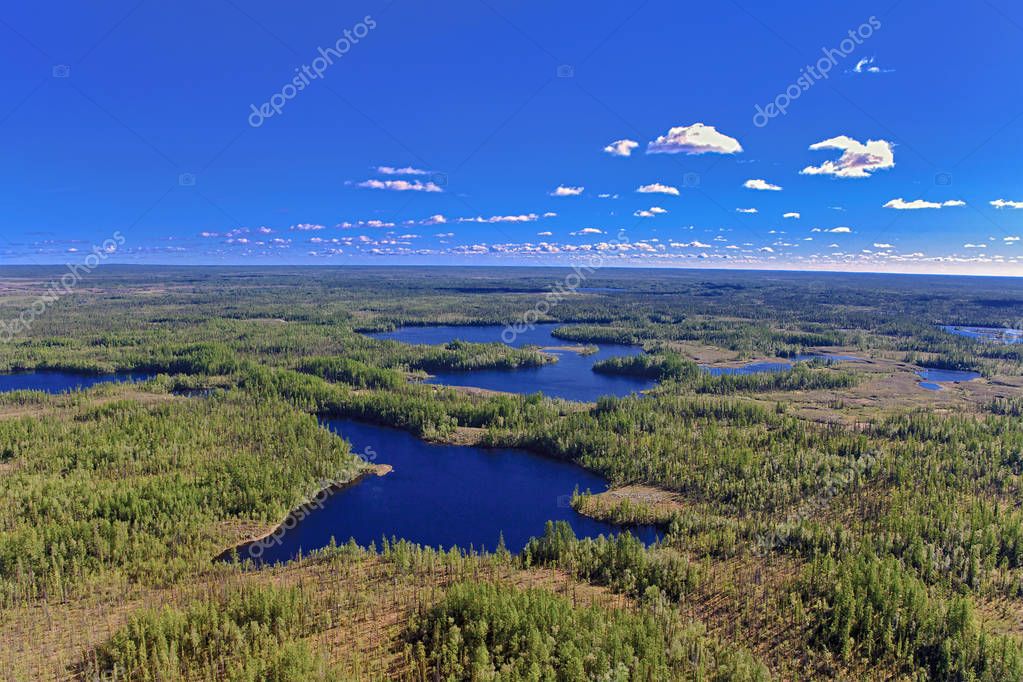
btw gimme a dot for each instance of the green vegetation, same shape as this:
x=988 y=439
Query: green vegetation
x=687 y=375
x=872 y=533
x=488 y=632
x=247 y=634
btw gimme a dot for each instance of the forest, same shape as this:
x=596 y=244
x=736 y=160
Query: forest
x=831 y=521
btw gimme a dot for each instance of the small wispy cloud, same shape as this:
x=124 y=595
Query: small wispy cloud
x=401 y=185
x=567 y=191
x=650 y=212
x=901 y=204
x=747 y=210
x=792 y=215
x=407 y=170
x=869 y=65
x=658 y=188
x=586 y=230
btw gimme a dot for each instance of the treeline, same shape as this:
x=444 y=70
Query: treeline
x=869 y=608
x=494 y=632
x=129 y=491
x=686 y=375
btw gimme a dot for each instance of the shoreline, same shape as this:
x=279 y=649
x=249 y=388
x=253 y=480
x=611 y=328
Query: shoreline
x=332 y=489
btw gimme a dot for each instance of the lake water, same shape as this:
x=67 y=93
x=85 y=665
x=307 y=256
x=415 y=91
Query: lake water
x=441 y=495
x=780 y=365
x=1002 y=335
x=934 y=378
x=62 y=382
x=571 y=377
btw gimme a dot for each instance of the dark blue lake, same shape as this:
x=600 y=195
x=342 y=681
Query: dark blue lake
x=934 y=378
x=441 y=495
x=62 y=382
x=571 y=377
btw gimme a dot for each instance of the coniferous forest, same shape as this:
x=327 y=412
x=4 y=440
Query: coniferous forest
x=831 y=519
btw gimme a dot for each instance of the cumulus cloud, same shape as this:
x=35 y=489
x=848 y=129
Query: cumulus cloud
x=974 y=246
x=650 y=212
x=901 y=204
x=747 y=210
x=694 y=139
x=565 y=191
x=544 y=234
x=658 y=188
x=621 y=147
x=1004 y=203
x=880 y=245
x=401 y=185
x=792 y=214
x=858 y=160
x=760 y=184
x=307 y=227
x=1010 y=239
x=587 y=230
x=840 y=230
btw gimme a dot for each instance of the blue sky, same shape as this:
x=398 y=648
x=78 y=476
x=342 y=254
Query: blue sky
x=440 y=133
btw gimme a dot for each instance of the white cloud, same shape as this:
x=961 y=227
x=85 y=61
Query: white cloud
x=607 y=195
x=401 y=185
x=695 y=139
x=621 y=147
x=565 y=191
x=436 y=219
x=879 y=245
x=658 y=188
x=1004 y=203
x=550 y=214
x=524 y=218
x=544 y=234
x=974 y=246
x=444 y=235
x=868 y=65
x=407 y=170
x=766 y=249
x=792 y=214
x=840 y=230
x=307 y=227
x=901 y=204
x=760 y=184
x=650 y=212
x=747 y=210
x=858 y=160
x=1010 y=239
x=586 y=230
